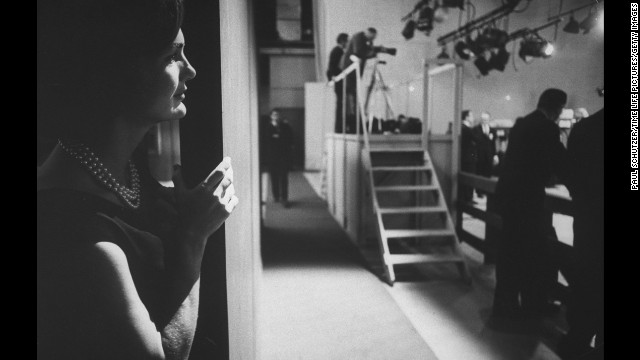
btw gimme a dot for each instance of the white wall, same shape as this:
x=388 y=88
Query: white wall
x=319 y=109
x=287 y=76
x=577 y=66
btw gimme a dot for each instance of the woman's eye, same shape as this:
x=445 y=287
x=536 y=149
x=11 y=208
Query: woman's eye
x=175 y=57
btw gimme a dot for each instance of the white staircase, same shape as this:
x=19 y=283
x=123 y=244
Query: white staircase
x=407 y=173
x=421 y=240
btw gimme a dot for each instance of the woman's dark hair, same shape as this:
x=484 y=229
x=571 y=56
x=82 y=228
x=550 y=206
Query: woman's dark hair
x=342 y=37
x=465 y=113
x=89 y=57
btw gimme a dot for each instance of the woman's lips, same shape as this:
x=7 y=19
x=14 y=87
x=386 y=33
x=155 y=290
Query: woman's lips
x=179 y=96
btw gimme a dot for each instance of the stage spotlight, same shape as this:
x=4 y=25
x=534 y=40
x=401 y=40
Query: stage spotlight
x=534 y=46
x=483 y=65
x=589 y=22
x=453 y=3
x=573 y=26
x=476 y=46
x=440 y=14
x=443 y=54
x=463 y=50
x=499 y=59
x=409 y=29
x=425 y=20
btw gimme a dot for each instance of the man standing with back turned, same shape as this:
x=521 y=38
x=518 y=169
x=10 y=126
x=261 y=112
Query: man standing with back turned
x=533 y=155
x=585 y=312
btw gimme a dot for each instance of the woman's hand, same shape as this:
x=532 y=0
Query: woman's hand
x=203 y=209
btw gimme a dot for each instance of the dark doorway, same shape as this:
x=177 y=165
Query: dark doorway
x=201 y=151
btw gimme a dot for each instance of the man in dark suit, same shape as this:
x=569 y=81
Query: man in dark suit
x=486 y=146
x=469 y=152
x=279 y=147
x=334 y=70
x=533 y=155
x=585 y=180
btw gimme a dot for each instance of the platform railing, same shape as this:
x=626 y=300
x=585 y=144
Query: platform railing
x=554 y=202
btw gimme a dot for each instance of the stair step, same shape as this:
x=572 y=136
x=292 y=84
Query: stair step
x=406 y=188
x=396 y=149
x=413 y=209
x=423 y=258
x=402 y=168
x=418 y=233
x=429 y=241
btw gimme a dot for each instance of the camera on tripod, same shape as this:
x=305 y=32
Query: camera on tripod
x=385 y=50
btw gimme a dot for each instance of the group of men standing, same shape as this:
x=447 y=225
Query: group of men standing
x=526 y=253
x=525 y=247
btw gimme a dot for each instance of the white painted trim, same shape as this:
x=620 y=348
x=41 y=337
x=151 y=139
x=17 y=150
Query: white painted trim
x=240 y=142
x=440 y=69
x=287 y=51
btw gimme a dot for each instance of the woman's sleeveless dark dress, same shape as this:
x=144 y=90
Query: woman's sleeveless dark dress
x=67 y=221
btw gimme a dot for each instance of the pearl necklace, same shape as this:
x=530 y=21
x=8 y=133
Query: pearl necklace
x=89 y=160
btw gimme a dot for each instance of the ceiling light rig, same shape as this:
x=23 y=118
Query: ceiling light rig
x=595 y=18
x=427 y=12
x=488 y=49
x=482 y=22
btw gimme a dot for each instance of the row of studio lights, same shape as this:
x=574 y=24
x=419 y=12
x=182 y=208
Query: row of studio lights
x=489 y=51
x=488 y=48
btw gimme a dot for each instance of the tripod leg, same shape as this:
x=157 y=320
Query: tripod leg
x=387 y=98
x=371 y=86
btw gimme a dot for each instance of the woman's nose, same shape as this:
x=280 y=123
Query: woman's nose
x=188 y=72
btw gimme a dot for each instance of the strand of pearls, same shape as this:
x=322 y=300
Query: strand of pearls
x=89 y=160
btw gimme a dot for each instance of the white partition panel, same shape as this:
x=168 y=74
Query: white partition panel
x=319 y=113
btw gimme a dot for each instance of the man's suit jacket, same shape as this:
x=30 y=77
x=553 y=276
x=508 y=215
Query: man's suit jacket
x=469 y=149
x=486 y=151
x=534 y=153
x=278 y=142
x=585 y=181
x=334 y=62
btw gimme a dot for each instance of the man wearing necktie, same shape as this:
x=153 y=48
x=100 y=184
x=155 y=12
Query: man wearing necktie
x=486 y=146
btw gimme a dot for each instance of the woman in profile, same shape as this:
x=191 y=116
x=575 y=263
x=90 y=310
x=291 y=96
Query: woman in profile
x=118 y=255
